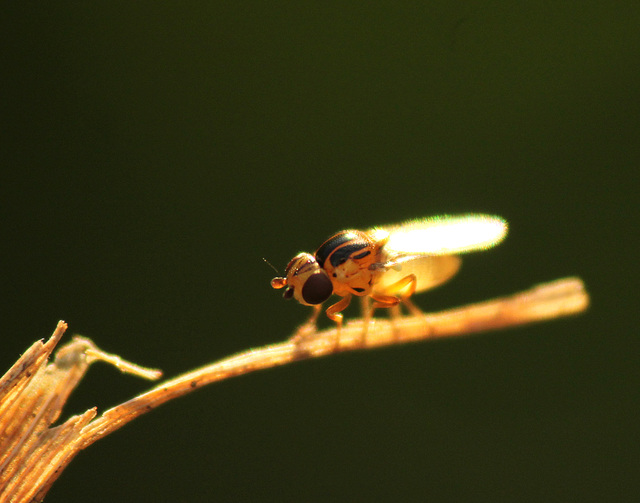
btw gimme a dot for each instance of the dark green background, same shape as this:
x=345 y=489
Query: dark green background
x=152 y=154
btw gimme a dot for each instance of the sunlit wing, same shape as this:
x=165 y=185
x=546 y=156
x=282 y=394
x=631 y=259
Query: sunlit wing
x=443 y=235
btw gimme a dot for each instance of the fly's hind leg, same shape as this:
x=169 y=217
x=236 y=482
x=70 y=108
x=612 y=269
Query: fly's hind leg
x=403 y=290
x=408 y=287
x=395 y=294
x=413 y=309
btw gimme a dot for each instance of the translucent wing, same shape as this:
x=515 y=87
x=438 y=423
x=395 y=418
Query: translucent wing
x=429 y=247
x=430 y=271
x=442 y=235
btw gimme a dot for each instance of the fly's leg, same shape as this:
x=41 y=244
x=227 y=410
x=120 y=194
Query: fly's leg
x=413 y=309
x=333 y=313
x=379 y=301
x=404 y=289
x=367 y=314
x=308 y=327
x=387 y=302
x=383 y=301
x=410 y=284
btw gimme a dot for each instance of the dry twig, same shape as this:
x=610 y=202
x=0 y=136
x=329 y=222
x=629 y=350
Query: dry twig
x=32 y=392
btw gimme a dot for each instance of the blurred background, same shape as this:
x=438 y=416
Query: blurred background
x=153 y=153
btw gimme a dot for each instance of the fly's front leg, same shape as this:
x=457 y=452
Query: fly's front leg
x=308 y=327
x=333 y=313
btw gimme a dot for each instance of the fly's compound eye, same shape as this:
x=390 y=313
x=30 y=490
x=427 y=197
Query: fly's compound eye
x=317 y=288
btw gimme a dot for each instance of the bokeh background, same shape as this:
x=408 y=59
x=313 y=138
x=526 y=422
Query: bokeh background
x=154 y=152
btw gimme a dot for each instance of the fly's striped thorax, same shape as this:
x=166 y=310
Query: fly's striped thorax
x=348 y=257
x=345 y=245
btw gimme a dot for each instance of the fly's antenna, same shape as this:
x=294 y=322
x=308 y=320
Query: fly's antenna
x=271 y=265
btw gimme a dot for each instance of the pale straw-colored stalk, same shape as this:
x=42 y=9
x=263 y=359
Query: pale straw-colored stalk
x=33 y=391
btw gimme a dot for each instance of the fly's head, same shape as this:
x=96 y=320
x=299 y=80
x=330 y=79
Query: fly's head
x=305 y=281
